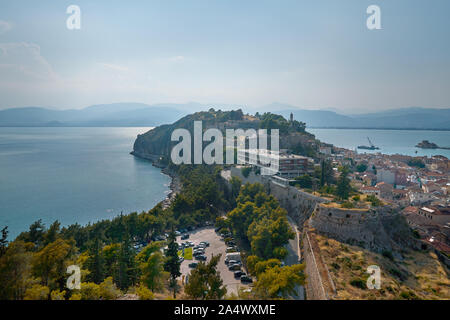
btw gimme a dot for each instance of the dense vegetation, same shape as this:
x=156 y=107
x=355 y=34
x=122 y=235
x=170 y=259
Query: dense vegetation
x=261 y=225
x=33 y=266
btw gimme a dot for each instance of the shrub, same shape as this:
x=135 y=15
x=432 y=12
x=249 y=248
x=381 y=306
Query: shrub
x=388 y=254
x=358 y=283
x=409 y=295
x=374 y=201
x=58 y=295
x=361 y=167
x=347 y=205
x=335 y=266
x=246 y=171
x=304 y=181
x=416 y=163
x=144 y=293
x=37 y=292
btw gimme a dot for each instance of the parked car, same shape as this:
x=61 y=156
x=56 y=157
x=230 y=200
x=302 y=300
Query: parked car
x=181 y=259
x=184 y=236
x=234 y=267
x=193 y=265
x=238 y=274
x=206 y=243
x=177 y=233
x=201 y=257
x=231 y=249
x=198 y=253
x=230 y=262
x=246 y=279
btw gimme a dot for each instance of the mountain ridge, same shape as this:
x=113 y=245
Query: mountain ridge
x=140 y=114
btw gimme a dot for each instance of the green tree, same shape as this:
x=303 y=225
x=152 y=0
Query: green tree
x=127 y=267
x=235 y=187
x=35 y=234
x=361 y=167
x=343 y=185
x=52 y=233
x=326 y=173
x=415 y=162
x=4 y=241
x=205 y=282
x=110 y=254
x=279 y=282
x=15 y=271
x=50 y=263
x=172 y=264
x=96 y=262
x=304 y=181
x=151 y=263
x=37 y=292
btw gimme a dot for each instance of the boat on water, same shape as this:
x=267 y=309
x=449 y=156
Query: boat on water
x=371 y=146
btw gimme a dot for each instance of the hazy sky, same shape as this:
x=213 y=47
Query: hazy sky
x=312 y=54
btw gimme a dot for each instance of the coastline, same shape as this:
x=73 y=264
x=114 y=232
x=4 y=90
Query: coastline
x=175 y=183
x=175 y=187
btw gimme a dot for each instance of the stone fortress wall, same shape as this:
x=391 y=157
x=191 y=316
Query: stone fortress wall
x=377 y=229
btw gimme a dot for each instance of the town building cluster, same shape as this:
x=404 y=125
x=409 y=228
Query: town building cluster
x=420 y=186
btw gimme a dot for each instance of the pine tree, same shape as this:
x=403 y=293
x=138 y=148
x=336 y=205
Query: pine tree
x=343 y=184
x=3 y=241
x=172 y=264
x=127 y=272
x=96 y=262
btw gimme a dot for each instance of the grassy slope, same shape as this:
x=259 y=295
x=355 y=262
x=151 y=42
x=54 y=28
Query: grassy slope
x=420 y=275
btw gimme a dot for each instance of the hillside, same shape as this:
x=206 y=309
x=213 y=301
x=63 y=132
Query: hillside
x=418 y=275
x=157 y=142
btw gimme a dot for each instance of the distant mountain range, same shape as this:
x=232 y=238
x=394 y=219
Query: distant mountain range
x=403 y=118
x=114 y=115
x=138 y=114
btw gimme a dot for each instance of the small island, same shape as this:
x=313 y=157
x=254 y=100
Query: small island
x=425 y=144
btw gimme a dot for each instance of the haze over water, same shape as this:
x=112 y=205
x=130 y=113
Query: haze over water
x=74 y=175
x=82 y=175
x=389 y=141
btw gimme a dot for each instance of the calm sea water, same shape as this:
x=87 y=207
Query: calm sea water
x=73 y=175
x=389 y=141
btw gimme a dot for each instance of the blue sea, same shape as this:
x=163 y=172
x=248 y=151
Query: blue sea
x=73 y=175
x=389 y=141
x=82 y=175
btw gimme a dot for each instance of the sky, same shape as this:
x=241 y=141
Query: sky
x=311 y=54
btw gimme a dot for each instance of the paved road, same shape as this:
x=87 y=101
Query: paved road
x=293 y=257
x=216 y=247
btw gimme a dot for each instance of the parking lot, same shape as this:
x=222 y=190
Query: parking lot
x=217 y=246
